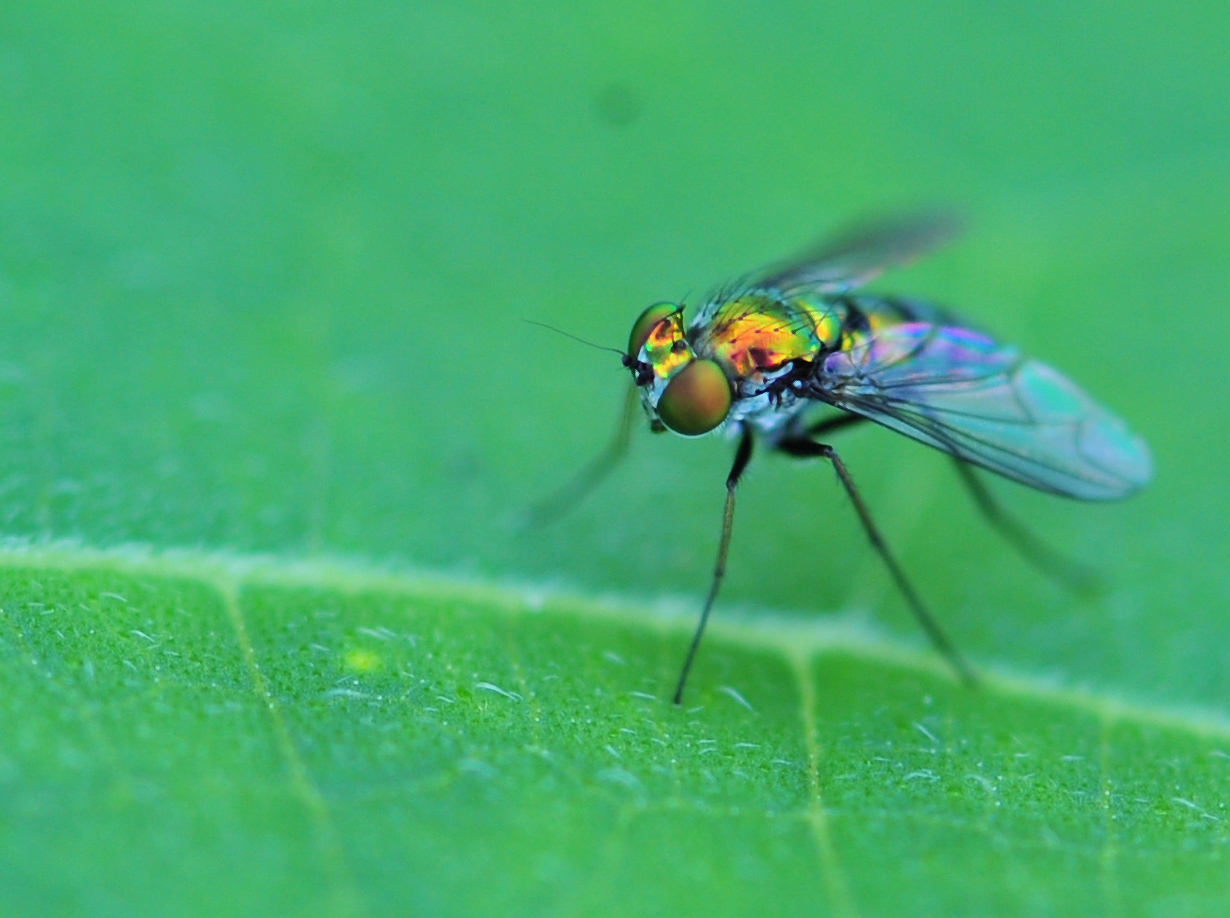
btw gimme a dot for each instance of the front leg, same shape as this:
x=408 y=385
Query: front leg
x=563 y=499
x=743 y=455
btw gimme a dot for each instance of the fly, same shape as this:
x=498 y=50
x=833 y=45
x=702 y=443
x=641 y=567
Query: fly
x=759 y=355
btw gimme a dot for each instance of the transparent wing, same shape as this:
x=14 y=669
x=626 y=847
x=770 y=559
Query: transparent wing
x=861 y=254
x=962 y=392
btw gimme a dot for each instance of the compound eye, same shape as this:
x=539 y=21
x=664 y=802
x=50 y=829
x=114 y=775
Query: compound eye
x=645 y=324
x=696 y=400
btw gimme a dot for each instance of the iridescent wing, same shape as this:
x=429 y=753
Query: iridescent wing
x=860 y=254
x=964 y=393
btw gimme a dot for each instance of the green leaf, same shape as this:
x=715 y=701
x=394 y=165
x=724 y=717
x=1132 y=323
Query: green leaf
x=193 y=734
x=262 y=271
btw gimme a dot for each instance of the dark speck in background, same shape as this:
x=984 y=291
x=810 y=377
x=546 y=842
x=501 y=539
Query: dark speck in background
x=463 y=465
x=618 y=104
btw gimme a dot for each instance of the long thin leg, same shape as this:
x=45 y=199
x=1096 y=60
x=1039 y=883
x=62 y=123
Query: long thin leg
x=825 y=425
x=742 y=456
x=1076 y=577
x=940 y=641
x=1072 y=575
x=563 y=499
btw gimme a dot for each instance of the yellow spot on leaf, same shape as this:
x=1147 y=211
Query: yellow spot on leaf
x=363 y=661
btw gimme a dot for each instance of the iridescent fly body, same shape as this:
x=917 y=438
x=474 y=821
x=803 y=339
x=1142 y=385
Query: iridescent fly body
x=757 y=357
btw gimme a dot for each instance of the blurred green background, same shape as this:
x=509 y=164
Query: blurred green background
x=263 y=270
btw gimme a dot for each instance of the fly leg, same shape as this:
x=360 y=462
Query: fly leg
x=1074 y=576
x=809 y=448
x=824 y=425
x=563 y=499
x=743 y=455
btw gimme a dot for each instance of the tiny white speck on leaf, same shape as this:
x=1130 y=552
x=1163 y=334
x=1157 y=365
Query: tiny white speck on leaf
x=492 y=687
x=737 y=696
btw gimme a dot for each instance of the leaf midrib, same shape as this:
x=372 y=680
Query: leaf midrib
x=794 y=637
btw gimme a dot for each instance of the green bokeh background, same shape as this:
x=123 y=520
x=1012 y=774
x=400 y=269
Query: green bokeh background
x=263 y=270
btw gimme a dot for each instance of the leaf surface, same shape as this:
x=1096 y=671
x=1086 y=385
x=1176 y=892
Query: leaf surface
x=262 y=275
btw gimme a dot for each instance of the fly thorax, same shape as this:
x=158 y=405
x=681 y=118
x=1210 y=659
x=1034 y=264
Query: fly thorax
x=759 y=334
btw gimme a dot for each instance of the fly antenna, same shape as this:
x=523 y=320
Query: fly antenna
x=560 y=331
